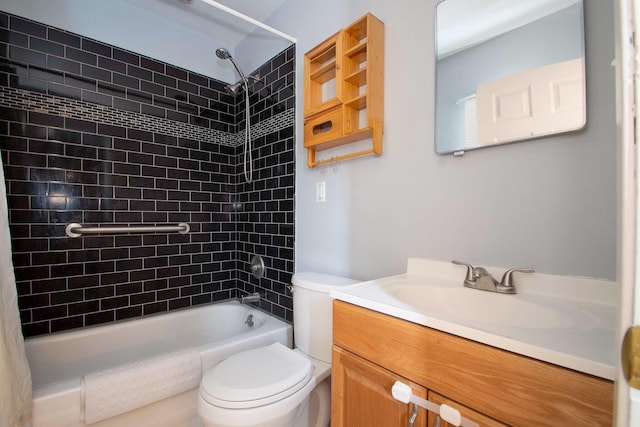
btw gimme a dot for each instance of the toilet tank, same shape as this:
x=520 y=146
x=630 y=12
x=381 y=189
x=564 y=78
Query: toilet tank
x=313 y=313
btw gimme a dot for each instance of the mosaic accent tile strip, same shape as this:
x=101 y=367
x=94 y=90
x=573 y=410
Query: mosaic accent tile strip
x=66 y=107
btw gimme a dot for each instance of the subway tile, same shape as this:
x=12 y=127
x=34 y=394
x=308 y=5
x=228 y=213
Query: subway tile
x=101 y=317
x=28 y=27
x=46 y=46
x=124 y=104
x=111 y=89
x=151 y=88
x=153 y=111
x=112 y=65
x=56 y=63
x=140 y=73
x=63 y=37
x=176 y=72
x=136 y=95
x=97 y=98
x=80 y=56
x=71 y=322
x=27 y=56
x=152 y=64
x=80 y=125
x=80 y=82
x=126 y=56
x=126 y=81
x=14 y=38
x=164 y=80
x=96 y=47
x=97 y=73
x=64 y=91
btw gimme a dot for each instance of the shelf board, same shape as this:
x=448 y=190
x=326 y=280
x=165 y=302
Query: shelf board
x=358 y=49
x=325 y=72
x=320 y=108
x=346 y=139
x=358 y=78
x=359 y=102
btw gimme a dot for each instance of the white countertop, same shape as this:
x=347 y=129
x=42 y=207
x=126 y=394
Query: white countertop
x=573 y=323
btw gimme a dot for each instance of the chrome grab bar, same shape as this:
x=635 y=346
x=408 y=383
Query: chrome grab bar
x=76 y=230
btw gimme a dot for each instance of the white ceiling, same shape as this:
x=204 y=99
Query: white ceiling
x=213 y=23
x=464 y=23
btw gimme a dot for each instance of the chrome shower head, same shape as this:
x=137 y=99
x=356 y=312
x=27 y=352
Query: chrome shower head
x=223 y=53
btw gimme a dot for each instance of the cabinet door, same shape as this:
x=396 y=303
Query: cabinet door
x=361 y=394
x=470 y=414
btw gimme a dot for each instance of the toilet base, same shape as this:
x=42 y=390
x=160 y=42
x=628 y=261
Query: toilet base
x=309 y=407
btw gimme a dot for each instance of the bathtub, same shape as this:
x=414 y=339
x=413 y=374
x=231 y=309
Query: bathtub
x=59 y=361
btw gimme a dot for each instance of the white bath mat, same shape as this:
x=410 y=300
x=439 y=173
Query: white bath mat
x=126 y=387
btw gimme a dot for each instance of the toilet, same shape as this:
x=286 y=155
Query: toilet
x=275 y=386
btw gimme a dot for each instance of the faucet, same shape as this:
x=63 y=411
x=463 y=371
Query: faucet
x=480 y=278
x=254 y=297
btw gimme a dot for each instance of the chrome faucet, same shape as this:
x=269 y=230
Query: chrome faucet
x=480 y=278
x=254 y=297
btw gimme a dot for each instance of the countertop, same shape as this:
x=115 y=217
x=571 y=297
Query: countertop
x=574 y=324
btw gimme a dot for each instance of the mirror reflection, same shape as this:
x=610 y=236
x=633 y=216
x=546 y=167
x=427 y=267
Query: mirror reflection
x=507 y=71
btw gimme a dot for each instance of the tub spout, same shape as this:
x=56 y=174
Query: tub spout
x=254 y=297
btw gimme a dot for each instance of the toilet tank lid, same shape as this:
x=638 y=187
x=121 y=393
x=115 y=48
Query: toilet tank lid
x=320 y=282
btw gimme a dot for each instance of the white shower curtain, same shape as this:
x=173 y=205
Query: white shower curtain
x=15 y=377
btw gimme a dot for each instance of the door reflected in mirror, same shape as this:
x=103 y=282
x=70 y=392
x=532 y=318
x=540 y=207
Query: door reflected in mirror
x=507 y=71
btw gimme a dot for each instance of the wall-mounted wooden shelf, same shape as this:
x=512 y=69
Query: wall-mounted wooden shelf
x=344 y=90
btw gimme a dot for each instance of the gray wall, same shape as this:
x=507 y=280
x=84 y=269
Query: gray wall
x=548 y=203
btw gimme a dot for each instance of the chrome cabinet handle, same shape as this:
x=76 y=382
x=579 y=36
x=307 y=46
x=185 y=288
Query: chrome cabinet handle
x=436 y=422
x=414 y=415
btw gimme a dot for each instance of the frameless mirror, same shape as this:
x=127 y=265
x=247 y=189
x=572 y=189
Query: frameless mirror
x=507 y=71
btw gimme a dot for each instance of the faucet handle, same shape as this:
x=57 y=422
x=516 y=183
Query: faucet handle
x=507 y=277
x=470 y=269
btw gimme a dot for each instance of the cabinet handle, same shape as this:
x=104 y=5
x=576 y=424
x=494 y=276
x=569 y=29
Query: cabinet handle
x=414 y=415
x=436 y=422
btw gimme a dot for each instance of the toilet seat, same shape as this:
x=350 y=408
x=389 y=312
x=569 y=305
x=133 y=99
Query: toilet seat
x=256 y=377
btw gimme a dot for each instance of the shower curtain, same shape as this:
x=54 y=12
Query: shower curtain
x=15 y=377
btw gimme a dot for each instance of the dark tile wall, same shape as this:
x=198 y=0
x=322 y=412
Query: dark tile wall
x=94 y=134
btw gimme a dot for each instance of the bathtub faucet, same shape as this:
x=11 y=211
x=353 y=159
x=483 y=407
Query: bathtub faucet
x=254 y=297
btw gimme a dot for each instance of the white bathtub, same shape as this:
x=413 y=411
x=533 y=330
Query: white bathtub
x=59 y=361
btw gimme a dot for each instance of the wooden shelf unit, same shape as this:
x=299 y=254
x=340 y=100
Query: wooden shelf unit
x=344 y=90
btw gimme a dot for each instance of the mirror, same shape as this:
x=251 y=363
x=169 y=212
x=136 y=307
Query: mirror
x=507 y=71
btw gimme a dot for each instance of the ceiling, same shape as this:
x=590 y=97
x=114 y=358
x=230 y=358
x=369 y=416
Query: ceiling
x=464 y=23
x=201 y=17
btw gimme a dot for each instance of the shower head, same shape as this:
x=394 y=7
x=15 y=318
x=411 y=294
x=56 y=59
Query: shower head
x=223 y=53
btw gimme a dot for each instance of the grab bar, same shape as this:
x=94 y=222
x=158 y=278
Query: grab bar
x=76 y=230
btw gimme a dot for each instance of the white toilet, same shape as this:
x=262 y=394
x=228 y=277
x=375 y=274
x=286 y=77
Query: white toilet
x=275 y=386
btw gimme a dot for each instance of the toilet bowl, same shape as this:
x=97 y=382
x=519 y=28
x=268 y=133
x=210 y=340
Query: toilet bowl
x=275 y=386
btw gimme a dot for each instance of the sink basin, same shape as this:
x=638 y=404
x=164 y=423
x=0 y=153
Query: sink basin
x=479 y=306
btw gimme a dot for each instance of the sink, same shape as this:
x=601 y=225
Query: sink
x=479 y=306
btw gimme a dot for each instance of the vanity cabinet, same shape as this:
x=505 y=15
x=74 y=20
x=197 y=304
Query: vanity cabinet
x=490 y=386
x=344 y=89
x=363 y=390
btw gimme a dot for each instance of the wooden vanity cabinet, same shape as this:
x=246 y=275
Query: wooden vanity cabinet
x=490 y=386
x=363 y=389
